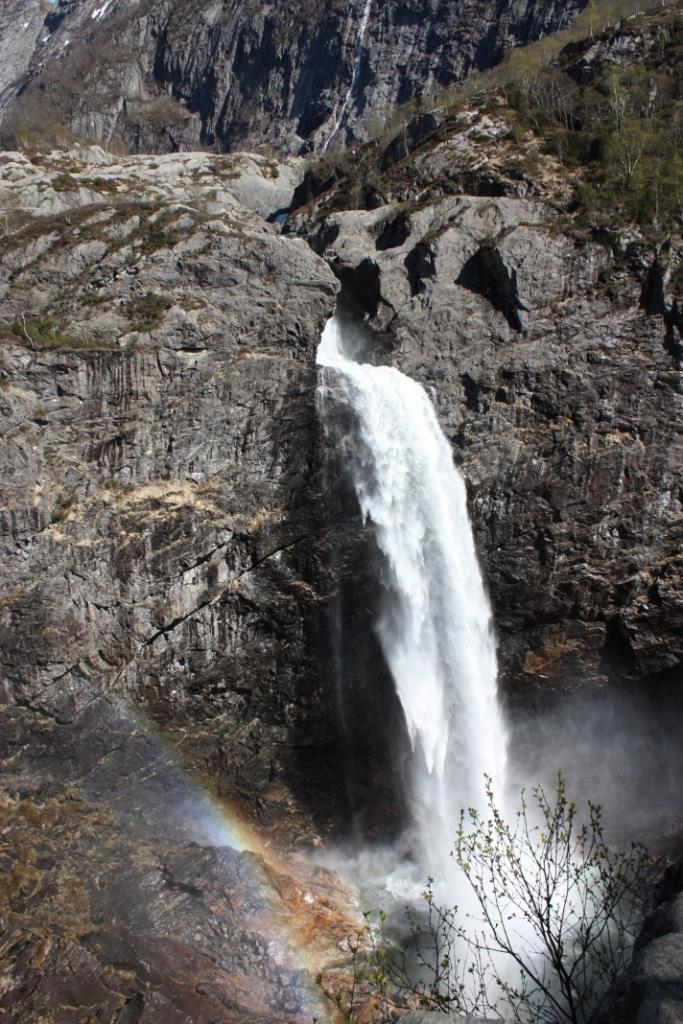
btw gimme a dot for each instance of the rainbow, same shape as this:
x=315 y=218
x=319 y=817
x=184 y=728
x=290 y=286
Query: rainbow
x=297 y=920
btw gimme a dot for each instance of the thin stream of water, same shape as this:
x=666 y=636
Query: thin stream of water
x=356 y=74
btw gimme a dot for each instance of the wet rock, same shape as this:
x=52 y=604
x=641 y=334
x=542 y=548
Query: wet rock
x=109 y=915
x=652 y=990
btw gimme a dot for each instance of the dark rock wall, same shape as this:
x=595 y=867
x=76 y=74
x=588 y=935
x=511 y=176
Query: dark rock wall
x=162 y=75
x=652 y=988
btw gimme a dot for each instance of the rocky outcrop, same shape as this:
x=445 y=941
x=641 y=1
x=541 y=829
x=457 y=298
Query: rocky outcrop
x=652 y=989
x=162 y=76
x=174 y=545
x=558 y=391
x=172 y=531
x=656 y=987
x=632 y=40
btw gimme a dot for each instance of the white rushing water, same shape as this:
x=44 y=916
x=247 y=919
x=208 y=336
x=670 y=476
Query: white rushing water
x=360 y=44
x=435 y=625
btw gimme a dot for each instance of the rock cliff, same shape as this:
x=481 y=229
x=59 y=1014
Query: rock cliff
x=167 y=527
x=22 y=27
x=158 y=386
x=162 y=76
x=164 y=591
x=177 y=544
x=560 y=401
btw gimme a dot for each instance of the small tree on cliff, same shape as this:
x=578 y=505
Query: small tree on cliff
x=558 y=914
x=557 y=904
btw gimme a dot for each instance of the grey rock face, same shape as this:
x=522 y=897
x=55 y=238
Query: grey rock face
x=559 y=393
x=164 y=593
x=160 y=503
x=163 y=75
x=652 y=990
x=22 y=26
x=88 y=175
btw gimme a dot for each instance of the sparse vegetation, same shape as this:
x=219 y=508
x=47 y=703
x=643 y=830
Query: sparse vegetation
x=147 y=311
x=62 y=507
x=100 y=184
x=7 y=600
x=619 y=132
x=119 y=487
x=44 y=333
x=270 y=168
x=92 y=299
x=64 y=182
x=157 y=235
x=38 y=887
x=160 y=112
x=558 y=913
x=614 y=127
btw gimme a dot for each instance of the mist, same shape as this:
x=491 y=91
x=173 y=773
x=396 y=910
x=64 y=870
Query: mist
x=617 y=748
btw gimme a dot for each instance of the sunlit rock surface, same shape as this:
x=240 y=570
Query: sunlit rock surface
x=559 y=392
x=162 y=76
x=177 y=545
x=160 y=503
x=163 y=587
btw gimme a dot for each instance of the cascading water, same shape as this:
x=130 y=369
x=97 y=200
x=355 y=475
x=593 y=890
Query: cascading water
x=435 y=624
x=356 y=74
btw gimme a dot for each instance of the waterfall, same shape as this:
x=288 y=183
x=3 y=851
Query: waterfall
x=356 y=74
x=434 y=626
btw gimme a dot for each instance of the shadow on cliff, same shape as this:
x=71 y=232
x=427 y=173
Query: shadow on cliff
x=346 y=771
